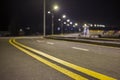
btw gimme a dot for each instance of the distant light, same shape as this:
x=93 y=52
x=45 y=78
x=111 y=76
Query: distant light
x=55 y=7
x=76 y=24
x=85 y=24
x=68 y=20
x=58 y=28
x=49 y=12
x=91 y=25
x=71 y=23
x=28 y=28
x=95 y=25
x=98 y=25
x=79 y=29
x=68 y=24
x=21 y=30
x=64 y=16
x=59 y=19
x=65 y=23
x=102 y=25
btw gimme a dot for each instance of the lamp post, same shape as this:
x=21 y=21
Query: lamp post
x=52 y=23
x=75 y=25
x=61 y=20
x=55 y=8
x=44 y=18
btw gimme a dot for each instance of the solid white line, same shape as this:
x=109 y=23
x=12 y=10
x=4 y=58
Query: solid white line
x=80 y=48
x=50 y=43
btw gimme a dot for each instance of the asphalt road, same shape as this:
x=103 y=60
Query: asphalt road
x=16 y=65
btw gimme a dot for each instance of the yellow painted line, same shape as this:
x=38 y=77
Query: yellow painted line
x=78 y=68
x=54 y=66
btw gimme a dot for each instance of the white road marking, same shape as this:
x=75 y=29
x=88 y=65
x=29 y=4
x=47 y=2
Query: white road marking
x=50 y=43
x=80 y=48
x=39 y=41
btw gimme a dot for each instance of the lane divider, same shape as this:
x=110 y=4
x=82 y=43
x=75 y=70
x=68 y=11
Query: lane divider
x=50 y=43
x=70 y=65
x=54 y=66
x=40 y=41
x=80 y=48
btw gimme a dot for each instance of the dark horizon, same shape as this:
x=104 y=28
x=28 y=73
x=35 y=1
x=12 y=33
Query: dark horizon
x=30 y=12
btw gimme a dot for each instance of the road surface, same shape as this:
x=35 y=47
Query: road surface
x=46 y=59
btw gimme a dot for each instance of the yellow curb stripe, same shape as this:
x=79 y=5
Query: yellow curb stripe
x=54 y=66
x=78 y=68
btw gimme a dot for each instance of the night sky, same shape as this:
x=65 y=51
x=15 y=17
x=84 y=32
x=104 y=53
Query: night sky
x=30 y=12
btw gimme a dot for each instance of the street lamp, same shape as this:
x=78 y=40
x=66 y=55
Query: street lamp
x=55 y=8
x=76 y=24
x=71 y=23
x=64 y=16
x=68 y=20
x=61 y=20
x=49 y=12
x=65 y=22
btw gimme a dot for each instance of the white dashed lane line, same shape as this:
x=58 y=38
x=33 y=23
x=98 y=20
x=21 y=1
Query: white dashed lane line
x=77 y=48
x=50 y=43
x=39 y=41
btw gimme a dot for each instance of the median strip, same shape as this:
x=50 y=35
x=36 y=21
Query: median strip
x=85 y=41
x=70 y=65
